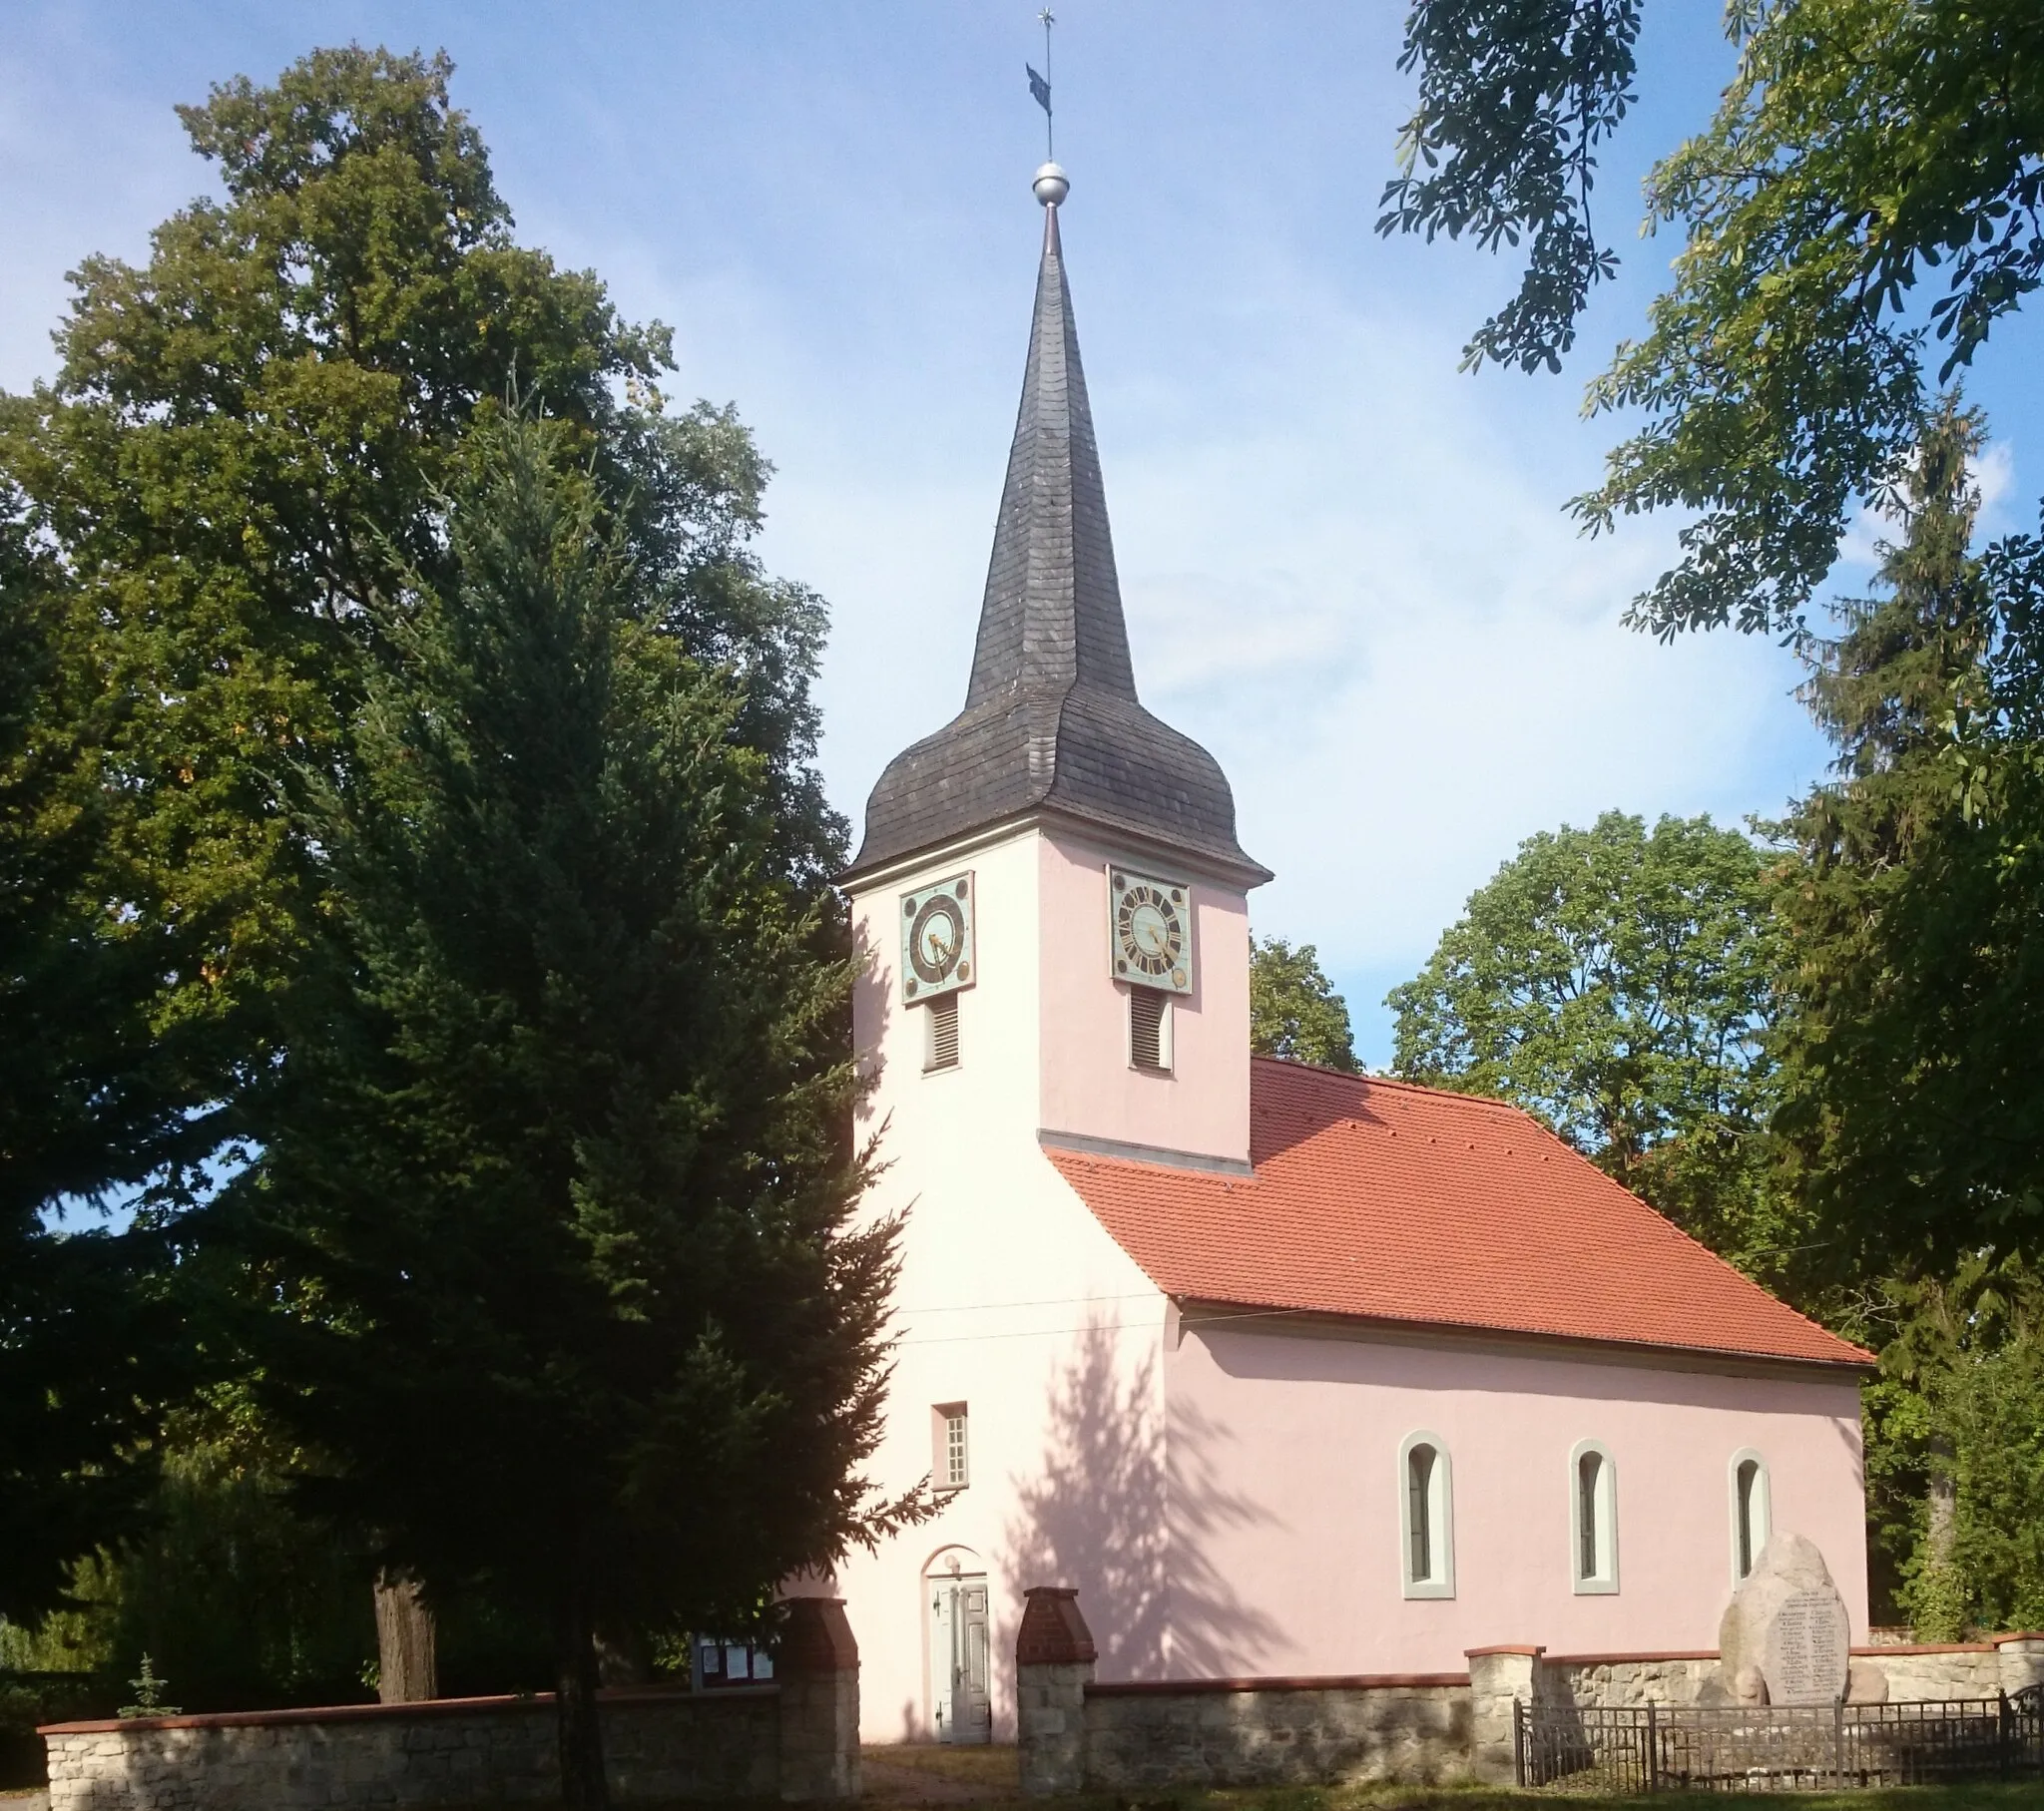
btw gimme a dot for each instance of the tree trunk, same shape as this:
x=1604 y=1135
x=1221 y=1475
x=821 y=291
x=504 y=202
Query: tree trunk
x=1941 y=1613
x=580 y=1732
x=406 y=1662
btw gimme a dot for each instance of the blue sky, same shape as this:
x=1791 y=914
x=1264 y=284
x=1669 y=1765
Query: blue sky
x=1345 y=565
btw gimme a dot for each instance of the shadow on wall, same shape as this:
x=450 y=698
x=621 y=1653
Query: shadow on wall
x=1125 y=1517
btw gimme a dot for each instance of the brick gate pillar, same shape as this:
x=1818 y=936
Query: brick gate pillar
x=1054 y=1657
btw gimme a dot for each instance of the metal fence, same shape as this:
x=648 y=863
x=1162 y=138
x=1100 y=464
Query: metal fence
x=1780 y=1748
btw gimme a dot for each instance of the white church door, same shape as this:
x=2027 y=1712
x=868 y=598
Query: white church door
x=960 y=1686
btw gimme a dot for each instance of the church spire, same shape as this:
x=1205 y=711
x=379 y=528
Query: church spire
x=1051 y=723
x=1052 y=616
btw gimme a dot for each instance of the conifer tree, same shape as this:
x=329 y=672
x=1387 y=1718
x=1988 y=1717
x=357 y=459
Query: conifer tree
x=1912 y=1120
x=555 y=1200
x=1913 y=1109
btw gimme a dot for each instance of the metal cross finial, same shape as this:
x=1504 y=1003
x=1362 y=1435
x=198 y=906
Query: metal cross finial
x=1050 y=148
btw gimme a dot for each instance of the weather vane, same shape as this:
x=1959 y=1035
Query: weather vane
x=1039 y=86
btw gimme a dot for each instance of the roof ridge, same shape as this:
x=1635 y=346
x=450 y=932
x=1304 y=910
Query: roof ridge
x=1371 y=1078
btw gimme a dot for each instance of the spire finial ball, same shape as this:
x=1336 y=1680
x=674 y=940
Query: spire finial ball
x=1051 y=186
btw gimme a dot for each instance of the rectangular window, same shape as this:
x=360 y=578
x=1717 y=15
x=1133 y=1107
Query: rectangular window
x=940 y=1049
x=1149 y=1030
x=953 y=1466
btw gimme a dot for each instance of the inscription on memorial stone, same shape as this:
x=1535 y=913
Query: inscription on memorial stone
x=1805 y=1651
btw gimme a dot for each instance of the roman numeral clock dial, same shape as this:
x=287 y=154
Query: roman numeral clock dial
x=936 y=938
x=1150 y=930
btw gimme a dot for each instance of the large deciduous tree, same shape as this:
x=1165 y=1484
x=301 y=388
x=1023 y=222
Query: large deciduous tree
x=1619 y=983
x=555 y=1199
x=1294 y=1011
x=206 y=515
x=97 y=1089
x=1862 y=148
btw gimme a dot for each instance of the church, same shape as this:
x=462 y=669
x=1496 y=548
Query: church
x=1290 y=1373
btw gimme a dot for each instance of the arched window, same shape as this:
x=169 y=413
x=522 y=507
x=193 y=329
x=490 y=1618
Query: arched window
x=1752 y=1517
x=1593 y=1519
x=1426 y=1516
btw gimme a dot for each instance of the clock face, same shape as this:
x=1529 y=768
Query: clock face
x=1150 y=932
x=936 y=938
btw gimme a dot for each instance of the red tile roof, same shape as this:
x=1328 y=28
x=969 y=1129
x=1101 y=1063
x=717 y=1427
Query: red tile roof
x=1393 y=1202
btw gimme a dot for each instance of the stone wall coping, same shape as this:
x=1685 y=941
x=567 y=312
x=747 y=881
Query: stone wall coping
x=1882 y=1652
x=424 y=1707
x=1480 y=1654
x=1631 y=1659
x=1909 y=1648
x=2021 y=1634
x=1360 y=1681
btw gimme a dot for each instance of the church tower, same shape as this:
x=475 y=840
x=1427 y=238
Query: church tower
x=1050 y=889
x=1053 y=911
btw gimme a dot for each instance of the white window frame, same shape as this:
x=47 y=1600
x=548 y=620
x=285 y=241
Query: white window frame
x=1763 y=1503
x=1603 y=1581
x=1440 y=1532
x=942 y=1415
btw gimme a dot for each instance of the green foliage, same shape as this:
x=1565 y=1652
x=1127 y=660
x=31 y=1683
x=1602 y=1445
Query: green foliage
x=1619 y=983
x=1515 y=96
x=1913 y=1106
x=1294 y=1009
x=554 y=1201
x=236 y=461
x=204 y=520
x=1960 y=1405
x=149 y=1695
x=1862 y=146
x=95 y=1092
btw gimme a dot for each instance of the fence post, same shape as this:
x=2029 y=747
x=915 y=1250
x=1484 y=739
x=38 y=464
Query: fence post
x=1652 y=1769
x=2005 y=1735
x=1839 y=1747
x=1498 y=1679
x=1518 y=1741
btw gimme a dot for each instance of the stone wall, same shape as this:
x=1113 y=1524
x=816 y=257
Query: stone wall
x=1272 y=1732
x=795 y=1740
x=1968 y=1670
x=1078 y=1735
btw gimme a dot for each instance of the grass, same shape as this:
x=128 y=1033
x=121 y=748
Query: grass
x=983 y=1779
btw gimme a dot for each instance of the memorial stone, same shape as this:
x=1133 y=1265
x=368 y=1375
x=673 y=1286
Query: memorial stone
x=1788 y=1624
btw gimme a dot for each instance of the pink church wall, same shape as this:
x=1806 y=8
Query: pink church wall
x=1226 y=1503
x=1088 y=1085
x=1286 y=1533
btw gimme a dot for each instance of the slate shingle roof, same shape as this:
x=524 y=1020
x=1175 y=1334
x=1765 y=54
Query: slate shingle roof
x=1395 y=1204
x=1051 y=719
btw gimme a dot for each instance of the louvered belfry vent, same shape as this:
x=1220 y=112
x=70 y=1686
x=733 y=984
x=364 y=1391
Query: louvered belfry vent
x=1051 y=721
x=1146 y=1009
x=942 y=1051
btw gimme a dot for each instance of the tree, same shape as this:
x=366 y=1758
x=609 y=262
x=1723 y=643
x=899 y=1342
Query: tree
x=555 y=1201
x=95 y=1092
x=1911 y=1102
x=233 y=463
x=1860 y=146
x=1294 y=1009
x=204 y=518
x=1955 y=1448
x=1619 y=984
